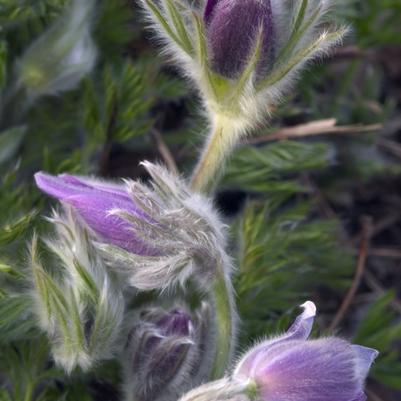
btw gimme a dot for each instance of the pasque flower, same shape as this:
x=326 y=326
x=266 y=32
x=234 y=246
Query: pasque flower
x=291 y=367
x=165 y=354
x=232 y=30
x=243 y=55
x=157 y=235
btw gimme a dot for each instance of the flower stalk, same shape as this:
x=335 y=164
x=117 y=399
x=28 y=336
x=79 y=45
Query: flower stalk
x=225 y=325
x=212 y=159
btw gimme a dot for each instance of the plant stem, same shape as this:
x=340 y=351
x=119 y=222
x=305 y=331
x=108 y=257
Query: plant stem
x=225 y=324
x=28 y=391
x=212 y=159
x=210 y=166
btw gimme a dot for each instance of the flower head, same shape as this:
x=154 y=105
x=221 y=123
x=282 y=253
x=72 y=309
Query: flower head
x=157 y=235
x=164 y=356
x=291 y=367
x=243 y=54
x=232 y=30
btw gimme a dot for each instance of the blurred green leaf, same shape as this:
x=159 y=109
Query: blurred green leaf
x=10 y=141
x=11 y=231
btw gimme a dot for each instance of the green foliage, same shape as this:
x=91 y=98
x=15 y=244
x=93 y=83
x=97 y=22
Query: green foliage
x=267 y=169
x=14 y=12
x=375 y=22
x=10 y=142
x=117 y=108
x=24 y=367
x=285 y=256
x=381 y=329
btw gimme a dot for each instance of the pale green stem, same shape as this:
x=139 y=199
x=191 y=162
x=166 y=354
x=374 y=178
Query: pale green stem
x=212 y=158
x=28 y=391
x=225 y=324
x=210 y=166
x=218 y=147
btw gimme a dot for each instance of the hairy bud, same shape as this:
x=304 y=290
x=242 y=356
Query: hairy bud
x=243 y=54
x=81 y=308
x=233 y=28
x=157 y=235
x=164 y=354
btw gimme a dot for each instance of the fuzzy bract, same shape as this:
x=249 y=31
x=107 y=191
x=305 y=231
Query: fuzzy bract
x=157 y=235
x=225 y=389
x=79 y=305
x=291 y=367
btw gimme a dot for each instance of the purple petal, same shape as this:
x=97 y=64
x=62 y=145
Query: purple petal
x=176 y=322
x=365 y=358
x=66 y=185
x=111 y=228
x=315 y=370
x=232 y=30
x=93 y=184
x=210 y=5
x=360 y=397
x=302 y=327
x=55 y=186
x=299 y=330
x=94 y=200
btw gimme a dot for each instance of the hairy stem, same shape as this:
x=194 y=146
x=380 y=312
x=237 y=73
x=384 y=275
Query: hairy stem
x=213 y=157
x=211 y=164
x=225 y=324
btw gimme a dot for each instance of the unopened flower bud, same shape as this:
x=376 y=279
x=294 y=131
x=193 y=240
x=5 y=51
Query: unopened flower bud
x=157 y=235
x=291 y=367
x=162 y=356
x=243 y=54
x=81 y=308
x=233 y=28
x=94 y=200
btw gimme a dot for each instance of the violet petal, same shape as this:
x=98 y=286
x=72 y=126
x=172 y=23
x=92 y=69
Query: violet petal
x=299 y=330
x=209 y=8
x=315 y=370
x=232 y=32
x=365 y=358
x=111 y=228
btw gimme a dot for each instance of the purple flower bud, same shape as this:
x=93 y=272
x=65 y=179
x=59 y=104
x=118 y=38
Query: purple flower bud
x=94 y=200
x=232 y=29
x=159 y=352
x=176 y=322
x=155 y=235
x=290 y=367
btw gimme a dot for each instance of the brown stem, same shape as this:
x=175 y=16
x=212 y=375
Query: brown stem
x=360 y=268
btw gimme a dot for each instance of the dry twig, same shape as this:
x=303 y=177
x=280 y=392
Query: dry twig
x=363 y=252
x=164 y=151
x=319 y=127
